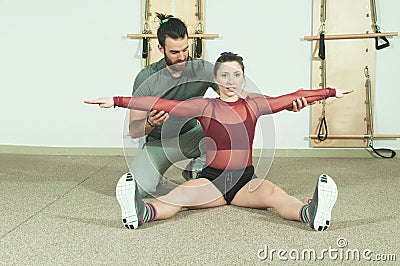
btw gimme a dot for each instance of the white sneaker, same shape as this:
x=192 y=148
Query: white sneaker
x=130 y=201
x=320 y=207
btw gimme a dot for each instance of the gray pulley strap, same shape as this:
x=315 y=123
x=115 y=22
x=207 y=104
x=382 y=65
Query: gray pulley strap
x=146 y=30
x=381 y=152
x=199 y=42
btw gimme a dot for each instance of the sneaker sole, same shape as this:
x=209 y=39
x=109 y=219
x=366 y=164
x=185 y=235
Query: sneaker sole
x=125 y=193
x=327 y=195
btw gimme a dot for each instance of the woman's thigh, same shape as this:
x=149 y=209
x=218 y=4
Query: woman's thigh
x=257 y=193
x=195 y=194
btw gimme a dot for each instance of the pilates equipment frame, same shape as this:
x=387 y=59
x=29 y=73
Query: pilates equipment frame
x=339 y=138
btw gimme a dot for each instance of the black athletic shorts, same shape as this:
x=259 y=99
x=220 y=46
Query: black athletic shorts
x=229 y=182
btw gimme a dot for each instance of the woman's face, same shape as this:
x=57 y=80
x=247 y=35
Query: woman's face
x=229 y=78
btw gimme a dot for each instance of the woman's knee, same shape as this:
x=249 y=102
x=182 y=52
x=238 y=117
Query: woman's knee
x=272 y=194
x=277 y=191
x=193 y=193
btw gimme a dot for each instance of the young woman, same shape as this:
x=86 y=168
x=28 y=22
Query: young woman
x=229 y=125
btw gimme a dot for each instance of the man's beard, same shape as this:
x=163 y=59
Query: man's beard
x=173 y=66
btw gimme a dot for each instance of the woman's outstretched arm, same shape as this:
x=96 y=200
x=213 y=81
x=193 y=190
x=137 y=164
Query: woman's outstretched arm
x=188 y=108
x=277 y=104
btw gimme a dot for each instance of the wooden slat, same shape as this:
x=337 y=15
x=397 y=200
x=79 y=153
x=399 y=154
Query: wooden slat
x=154 y=36
x=366 y=136
x=351 y=36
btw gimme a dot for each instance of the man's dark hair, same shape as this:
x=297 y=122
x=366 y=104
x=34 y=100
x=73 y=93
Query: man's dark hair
x=170 y=27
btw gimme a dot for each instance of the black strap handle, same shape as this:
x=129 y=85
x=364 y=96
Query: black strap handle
x=382 y=45
x=321 y=52
x=145 y=49
x=380 y=150
x=199 y=47
x=322 y=134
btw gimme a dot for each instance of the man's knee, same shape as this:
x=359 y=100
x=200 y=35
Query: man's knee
x=146 y=182
x=148 y=170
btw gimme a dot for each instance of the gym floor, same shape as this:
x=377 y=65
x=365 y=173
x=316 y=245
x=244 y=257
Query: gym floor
x=62 y=210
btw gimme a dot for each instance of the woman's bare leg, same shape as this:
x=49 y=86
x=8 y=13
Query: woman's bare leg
x=194 y=194
x=317 y=213
x=262 y=194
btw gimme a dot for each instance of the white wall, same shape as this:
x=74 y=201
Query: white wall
x=55 y=53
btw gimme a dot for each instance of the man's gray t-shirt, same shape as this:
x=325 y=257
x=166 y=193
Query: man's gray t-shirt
x=156 y=80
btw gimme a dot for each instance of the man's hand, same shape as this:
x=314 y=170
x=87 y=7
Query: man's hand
x=299 y=104
x=156 y=118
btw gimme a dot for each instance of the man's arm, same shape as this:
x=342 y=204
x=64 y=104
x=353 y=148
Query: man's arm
x=141 y=124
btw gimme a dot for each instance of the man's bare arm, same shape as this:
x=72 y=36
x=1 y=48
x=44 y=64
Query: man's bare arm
x=141 y=124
